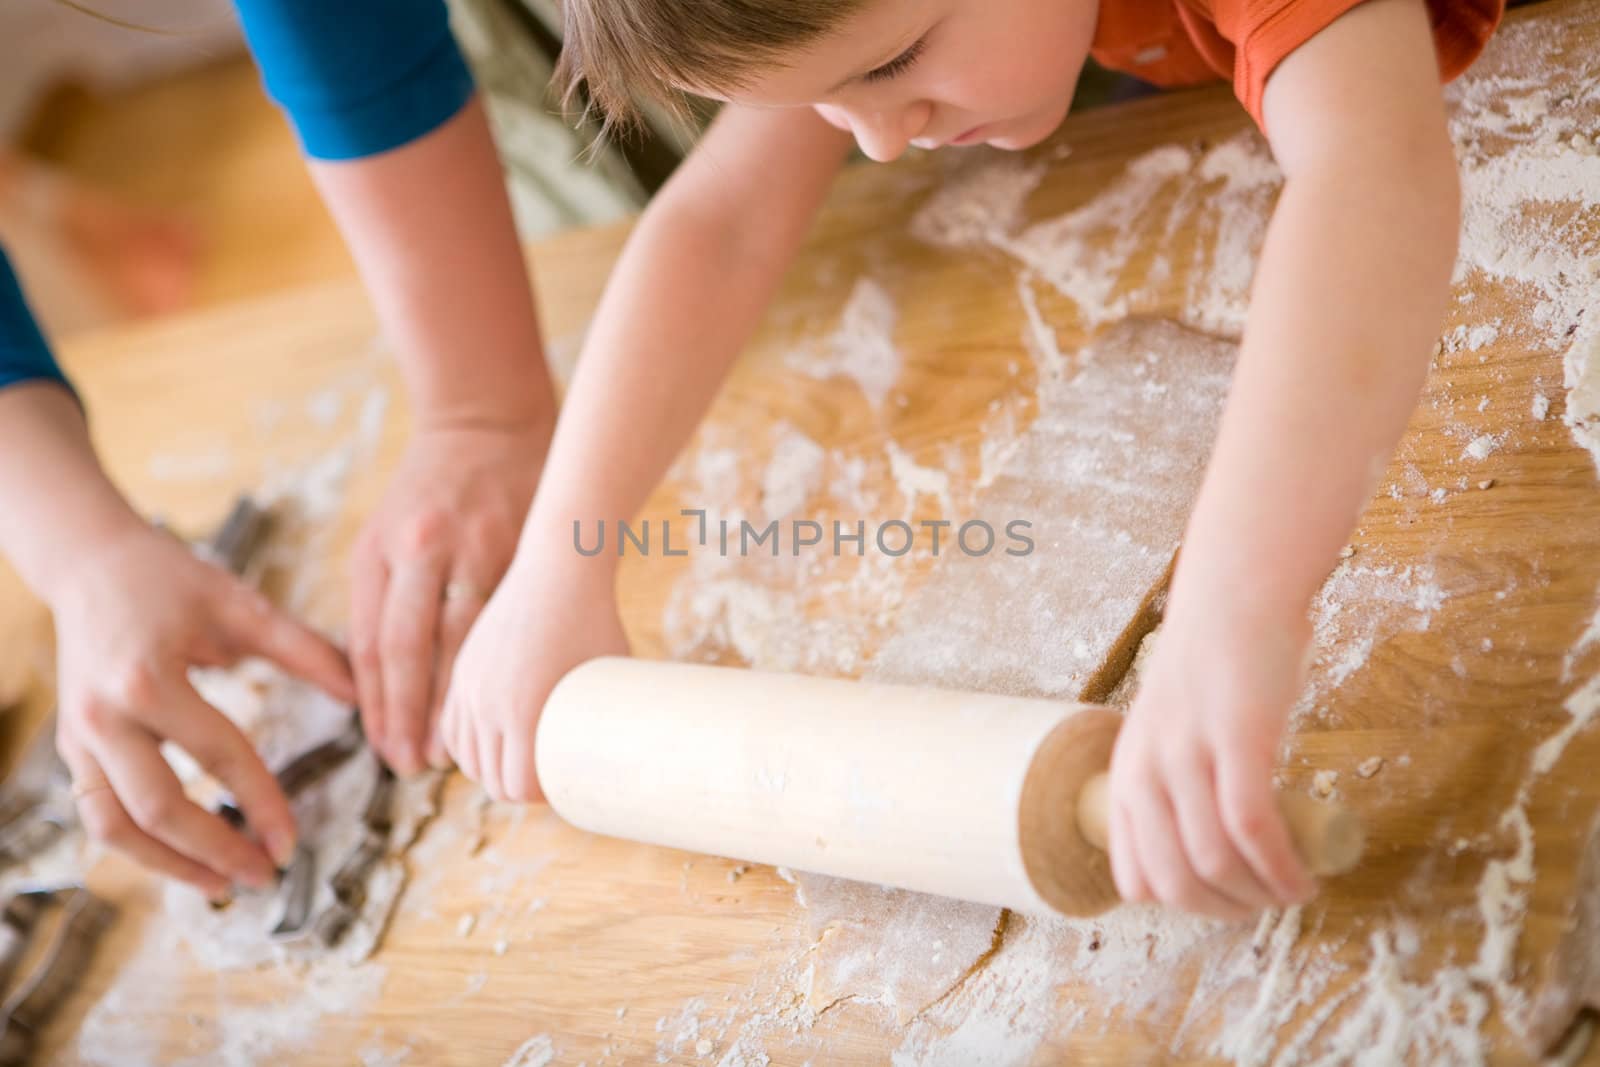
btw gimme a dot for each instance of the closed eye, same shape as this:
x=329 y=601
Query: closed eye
x=898 y=65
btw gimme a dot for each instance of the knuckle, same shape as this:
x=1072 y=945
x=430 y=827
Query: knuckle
x=95 y=715
x=157 y=811
x=485 y=534
x=426 y=531
x=1213 y=864
x=364 y=652
x=136 y=684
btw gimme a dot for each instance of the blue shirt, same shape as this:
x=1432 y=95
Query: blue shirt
x=356 y=77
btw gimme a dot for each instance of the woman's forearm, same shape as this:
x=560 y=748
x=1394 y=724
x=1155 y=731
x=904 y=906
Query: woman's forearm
x=58 y=502
x=431 y=230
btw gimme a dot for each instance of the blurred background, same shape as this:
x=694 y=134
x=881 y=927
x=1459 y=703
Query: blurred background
x=143 y=169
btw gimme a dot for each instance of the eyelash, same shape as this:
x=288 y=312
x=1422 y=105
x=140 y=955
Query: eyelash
x=898 y=65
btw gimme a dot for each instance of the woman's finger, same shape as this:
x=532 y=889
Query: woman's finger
x=222 y=749
x=106 y=821
x=369 y=578
x=153 y=798
x=408 y=644
x=258 y=627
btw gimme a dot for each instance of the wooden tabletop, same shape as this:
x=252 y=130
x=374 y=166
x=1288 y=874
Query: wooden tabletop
x=605 y=952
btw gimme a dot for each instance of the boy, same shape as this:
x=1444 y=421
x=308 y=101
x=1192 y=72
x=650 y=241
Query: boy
x=1348 y=298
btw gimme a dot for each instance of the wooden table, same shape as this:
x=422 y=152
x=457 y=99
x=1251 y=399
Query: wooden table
x=607 y=946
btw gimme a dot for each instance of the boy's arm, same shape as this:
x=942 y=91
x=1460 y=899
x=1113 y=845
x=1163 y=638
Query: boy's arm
x=1347 y=300
x=685 y=297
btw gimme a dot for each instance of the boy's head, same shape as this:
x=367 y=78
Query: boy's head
x=892 y=72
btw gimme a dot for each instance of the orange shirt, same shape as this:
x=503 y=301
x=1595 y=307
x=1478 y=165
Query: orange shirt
x=1186 y=42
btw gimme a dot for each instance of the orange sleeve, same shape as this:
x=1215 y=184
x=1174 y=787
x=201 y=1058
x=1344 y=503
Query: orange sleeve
x=1262 y=33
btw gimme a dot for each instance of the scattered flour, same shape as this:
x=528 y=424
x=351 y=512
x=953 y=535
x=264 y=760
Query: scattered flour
x=861 y=347
x=793 y=473
x=1581 y=366
x=538 y=1051
x=1480 y=447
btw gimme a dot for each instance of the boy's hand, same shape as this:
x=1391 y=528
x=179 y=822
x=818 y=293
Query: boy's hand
x=1194 y=821
x=138 y=611
x=424 y=566
x=552 y=612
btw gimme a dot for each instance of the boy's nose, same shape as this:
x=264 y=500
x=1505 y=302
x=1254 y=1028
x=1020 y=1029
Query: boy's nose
x=884 y=135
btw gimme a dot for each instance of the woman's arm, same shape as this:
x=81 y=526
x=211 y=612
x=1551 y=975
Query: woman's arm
x=401 y=151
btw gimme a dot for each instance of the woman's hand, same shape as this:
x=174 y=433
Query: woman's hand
x=425 y=564
x=134 y=616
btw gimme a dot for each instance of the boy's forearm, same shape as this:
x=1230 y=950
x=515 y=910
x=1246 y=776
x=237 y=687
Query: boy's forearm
x=1348 y=299
x=58 y=501
x=686 y=295
x=431 y=230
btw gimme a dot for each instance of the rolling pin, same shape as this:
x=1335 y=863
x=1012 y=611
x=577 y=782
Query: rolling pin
x=994 y=799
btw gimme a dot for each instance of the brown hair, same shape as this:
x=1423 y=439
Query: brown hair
x=626 y=52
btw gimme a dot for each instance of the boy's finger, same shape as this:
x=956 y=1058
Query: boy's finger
x=1210 y=851
x=488 y=747
x=1166 y=865
x=458 y=739
x=1249 y=811
x=1131 y=885
x=518 y=776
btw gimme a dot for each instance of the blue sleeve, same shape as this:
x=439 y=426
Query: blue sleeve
x=358 y=77
x=24 y=355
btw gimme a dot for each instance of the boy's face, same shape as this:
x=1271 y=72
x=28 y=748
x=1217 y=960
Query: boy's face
x=940 y=72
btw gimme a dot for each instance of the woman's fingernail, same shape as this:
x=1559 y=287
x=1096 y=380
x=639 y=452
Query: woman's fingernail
x=258 y=879
x=281 y=848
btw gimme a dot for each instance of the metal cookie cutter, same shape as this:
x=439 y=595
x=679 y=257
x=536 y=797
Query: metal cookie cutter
x=349 y=882
x=29 y=1005
x=298 y=882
